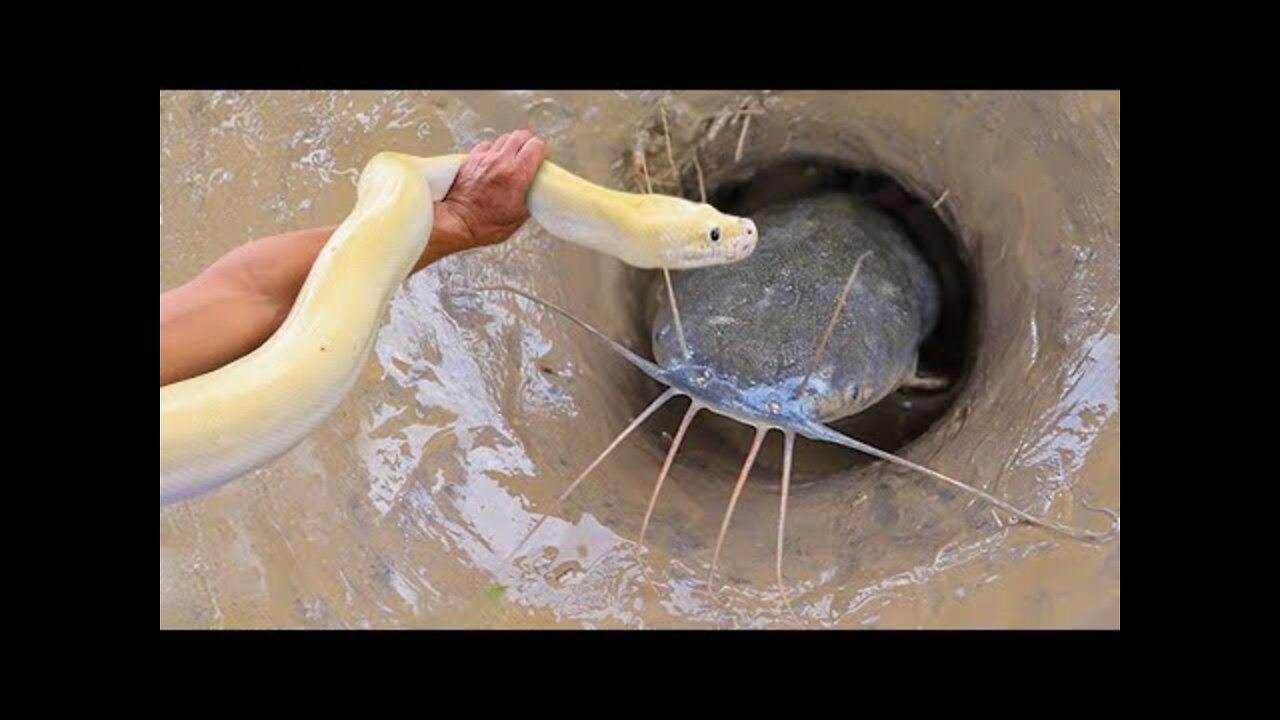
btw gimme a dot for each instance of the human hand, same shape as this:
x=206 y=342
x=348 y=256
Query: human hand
x=486 y=204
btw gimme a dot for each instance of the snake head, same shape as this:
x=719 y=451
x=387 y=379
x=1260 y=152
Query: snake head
x=696 y=235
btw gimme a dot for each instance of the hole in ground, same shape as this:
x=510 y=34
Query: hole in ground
x=717 y=446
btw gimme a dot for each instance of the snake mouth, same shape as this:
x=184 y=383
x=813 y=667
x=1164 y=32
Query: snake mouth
x=744 y=244
x=728 y=251
x=742 y=247
x=734 y=239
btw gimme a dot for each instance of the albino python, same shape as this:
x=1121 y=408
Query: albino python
x=218 y=426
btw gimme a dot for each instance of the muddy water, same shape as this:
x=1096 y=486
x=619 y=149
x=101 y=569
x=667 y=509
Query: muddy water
x=474 y=413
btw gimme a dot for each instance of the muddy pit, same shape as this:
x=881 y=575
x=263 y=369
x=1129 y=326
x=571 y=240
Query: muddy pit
x=760 y=191
x=476 y=412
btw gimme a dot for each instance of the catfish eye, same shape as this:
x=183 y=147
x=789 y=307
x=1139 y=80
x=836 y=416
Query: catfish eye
x=715 y=234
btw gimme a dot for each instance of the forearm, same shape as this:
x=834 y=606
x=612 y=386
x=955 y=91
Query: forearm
x=237 y=303
x=207 y=323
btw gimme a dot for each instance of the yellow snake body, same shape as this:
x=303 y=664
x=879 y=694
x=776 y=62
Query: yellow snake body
x=218 y=426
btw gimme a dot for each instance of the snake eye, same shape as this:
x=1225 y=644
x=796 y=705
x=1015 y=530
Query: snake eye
x=715 y=234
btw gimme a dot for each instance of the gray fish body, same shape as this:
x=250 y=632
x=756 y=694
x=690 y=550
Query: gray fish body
x=757 y=322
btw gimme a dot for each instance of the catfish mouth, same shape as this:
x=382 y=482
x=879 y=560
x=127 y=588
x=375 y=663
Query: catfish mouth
x=761 y=406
